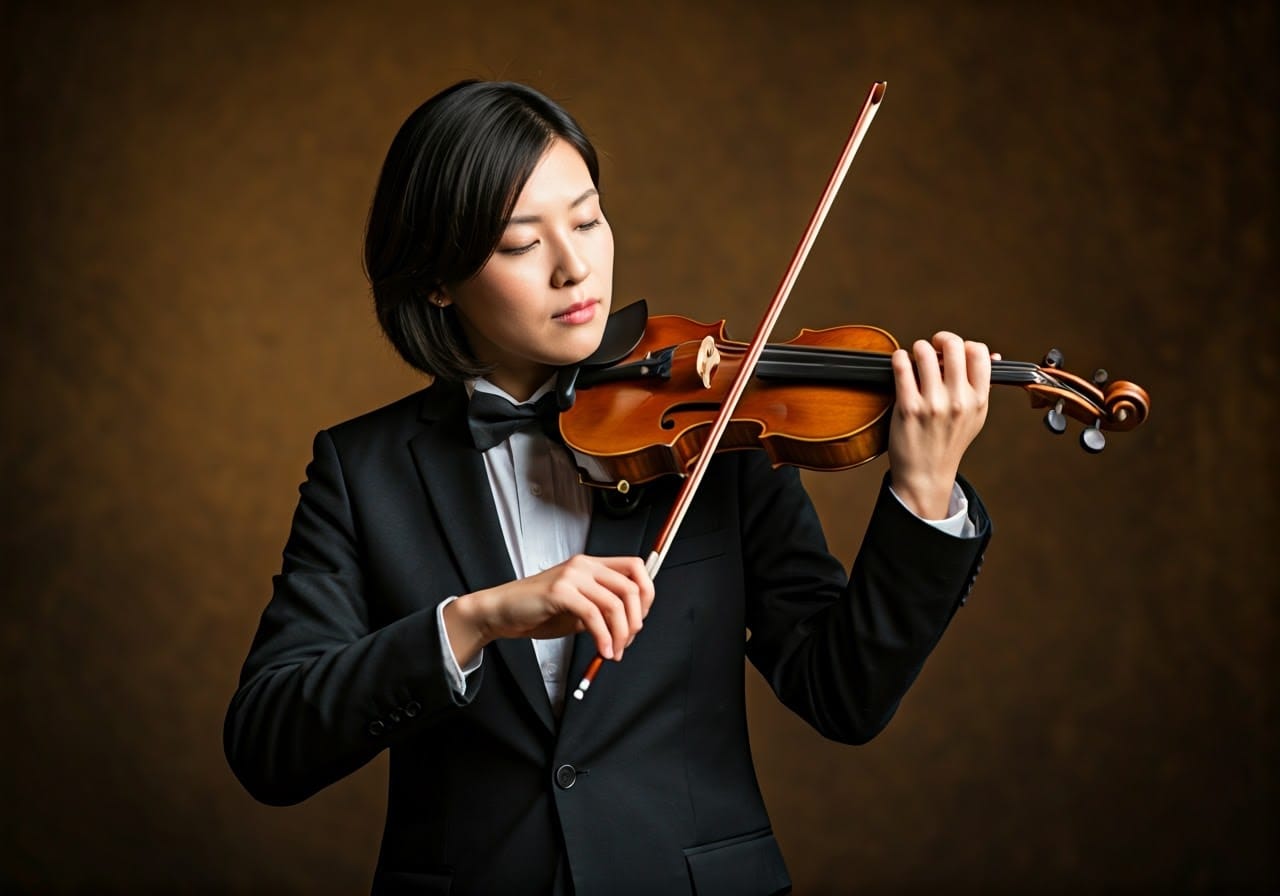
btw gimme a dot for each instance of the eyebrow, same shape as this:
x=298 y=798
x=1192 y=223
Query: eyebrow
x=534 y=219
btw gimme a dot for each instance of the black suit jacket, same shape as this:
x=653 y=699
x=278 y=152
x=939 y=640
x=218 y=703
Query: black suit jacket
x=647 y=786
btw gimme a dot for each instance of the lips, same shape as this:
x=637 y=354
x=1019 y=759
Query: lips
x=578 y=312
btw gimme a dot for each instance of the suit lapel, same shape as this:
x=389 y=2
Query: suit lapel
x=457 y=487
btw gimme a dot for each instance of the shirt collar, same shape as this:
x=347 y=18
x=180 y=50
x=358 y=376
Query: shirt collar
x=480 y=384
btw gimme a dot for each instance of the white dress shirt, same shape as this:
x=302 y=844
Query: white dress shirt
x=545 y=512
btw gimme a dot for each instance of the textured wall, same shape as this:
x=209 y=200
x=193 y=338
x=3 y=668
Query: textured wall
x=183 y=307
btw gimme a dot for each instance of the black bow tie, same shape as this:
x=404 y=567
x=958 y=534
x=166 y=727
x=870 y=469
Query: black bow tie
x=492 y=419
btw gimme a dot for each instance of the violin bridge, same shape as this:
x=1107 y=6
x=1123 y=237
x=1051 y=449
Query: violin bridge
x=708 y=360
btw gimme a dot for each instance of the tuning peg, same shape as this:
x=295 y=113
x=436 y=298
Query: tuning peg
x=1092 y=439
x=1100 y=376
x=1055 y=420
x=1052 y=359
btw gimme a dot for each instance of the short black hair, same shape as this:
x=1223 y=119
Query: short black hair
x=446 y=192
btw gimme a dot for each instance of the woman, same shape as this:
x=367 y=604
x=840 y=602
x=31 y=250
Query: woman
x=443 y=581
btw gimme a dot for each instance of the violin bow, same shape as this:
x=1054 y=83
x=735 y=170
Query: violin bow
x=752 y=356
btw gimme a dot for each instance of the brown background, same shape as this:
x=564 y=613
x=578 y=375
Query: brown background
x=185 y=192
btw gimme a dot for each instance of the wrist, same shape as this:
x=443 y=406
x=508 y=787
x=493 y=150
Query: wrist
x=467 y=627
x=928 y=497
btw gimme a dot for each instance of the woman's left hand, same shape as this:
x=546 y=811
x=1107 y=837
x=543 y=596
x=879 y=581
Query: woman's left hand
x=941 y=407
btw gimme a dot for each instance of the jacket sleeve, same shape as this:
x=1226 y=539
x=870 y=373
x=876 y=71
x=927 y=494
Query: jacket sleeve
x=842 y=652
x=320 y=693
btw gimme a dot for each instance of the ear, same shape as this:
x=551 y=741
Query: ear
x=440 y=298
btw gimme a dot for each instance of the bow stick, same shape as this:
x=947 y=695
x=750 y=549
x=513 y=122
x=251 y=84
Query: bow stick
x=747 y=369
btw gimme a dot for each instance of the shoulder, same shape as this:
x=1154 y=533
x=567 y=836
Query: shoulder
x=397 y=421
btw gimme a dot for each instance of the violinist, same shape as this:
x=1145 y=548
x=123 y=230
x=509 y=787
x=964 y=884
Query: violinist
x=448 y=576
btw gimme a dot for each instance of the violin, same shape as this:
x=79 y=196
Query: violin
x=642 y=405
x=663 y=395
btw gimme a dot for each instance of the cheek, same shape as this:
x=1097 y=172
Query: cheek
x=493 y=308
x=506 y=295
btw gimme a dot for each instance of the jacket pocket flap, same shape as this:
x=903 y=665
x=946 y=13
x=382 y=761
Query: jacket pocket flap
x=693 y=548
x=742 y=866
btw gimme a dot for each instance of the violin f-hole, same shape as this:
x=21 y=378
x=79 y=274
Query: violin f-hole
x=668 y=421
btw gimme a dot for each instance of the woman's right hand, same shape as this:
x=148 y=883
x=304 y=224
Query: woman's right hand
x=606 y=596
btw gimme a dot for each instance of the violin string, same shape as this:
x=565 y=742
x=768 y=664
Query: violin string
x=876 y=366
x=815 y=363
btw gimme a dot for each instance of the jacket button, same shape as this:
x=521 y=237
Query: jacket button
x=412 y=708
x=566 y=776
x=376 y=727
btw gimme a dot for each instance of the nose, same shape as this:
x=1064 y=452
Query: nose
x=571 y=267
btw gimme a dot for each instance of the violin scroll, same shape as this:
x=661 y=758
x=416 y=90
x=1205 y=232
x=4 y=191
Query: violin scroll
x=1117 y=406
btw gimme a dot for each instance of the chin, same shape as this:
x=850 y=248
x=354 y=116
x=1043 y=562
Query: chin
x=583 y=345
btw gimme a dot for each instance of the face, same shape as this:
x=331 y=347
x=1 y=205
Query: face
x=542 y=298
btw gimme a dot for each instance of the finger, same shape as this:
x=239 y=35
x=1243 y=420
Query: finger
x=614 y=613
x=587 y=613
x=906 y=388
x=582 y=577
x=634 y=569
x=638 y=597
x=951 y=348
x=625 y=590
x=928 y=370
x=978 y=357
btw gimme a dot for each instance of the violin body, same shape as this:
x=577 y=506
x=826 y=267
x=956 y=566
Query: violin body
x=820 y=401
x=657 y=425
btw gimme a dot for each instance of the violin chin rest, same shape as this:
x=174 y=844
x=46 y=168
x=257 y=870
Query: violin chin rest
x=622 y=333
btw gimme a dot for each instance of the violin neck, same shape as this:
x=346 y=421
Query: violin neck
x=833 y=365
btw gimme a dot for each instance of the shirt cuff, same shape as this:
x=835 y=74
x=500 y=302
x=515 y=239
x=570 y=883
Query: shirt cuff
x=957 y=522
x=456 y=674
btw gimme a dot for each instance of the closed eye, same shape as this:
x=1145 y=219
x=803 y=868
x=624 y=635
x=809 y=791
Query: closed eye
x=517 y=250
